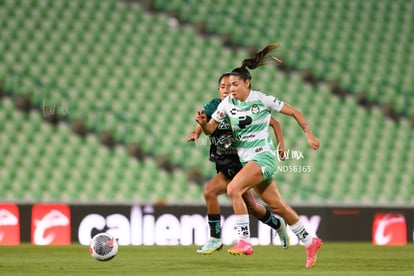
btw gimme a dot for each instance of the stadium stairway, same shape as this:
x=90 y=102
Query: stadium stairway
x=364 y=47
x=332 y=60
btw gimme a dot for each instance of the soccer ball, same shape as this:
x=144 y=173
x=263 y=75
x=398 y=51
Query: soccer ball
x=103 y=247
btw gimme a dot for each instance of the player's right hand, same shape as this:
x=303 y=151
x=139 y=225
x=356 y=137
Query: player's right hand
x=201 y=117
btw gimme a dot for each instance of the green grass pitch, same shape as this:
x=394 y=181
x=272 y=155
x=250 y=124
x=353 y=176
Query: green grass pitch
x=333 y=259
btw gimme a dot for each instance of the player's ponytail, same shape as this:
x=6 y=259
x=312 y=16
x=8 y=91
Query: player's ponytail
x=262 y=57
x=259 y=59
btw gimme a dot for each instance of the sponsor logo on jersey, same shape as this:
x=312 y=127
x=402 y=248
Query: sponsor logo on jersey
x=224 y=125
x=234 y=111
x=389 y=229
x=249 y=136
x=220 y=114
x=277 y=101
x=51 y=224
x=258 y=149
x=9 y=224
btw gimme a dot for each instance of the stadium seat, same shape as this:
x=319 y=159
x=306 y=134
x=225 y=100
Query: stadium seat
x=117 y=87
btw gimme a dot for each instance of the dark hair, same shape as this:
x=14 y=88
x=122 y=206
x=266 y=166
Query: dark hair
x=222 y=76
x=259 y=59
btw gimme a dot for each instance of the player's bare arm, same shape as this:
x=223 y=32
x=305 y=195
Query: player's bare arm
x=207 y=127
x=277 y=130
x=195 y=134
x=300 y=119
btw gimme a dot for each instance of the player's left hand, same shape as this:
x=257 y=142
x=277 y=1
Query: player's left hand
x=282 y=154
x=313 y=142
x=192 y=137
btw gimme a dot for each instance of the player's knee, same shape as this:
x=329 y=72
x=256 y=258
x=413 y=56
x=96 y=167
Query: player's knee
x=209 y=194
x=233 y=191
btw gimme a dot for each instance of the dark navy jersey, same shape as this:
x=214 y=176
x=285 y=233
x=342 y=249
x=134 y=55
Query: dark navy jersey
x=222 y=150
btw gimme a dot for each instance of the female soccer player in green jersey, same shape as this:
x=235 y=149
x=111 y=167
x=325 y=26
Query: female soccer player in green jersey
x=224 y=155
x=249 y=112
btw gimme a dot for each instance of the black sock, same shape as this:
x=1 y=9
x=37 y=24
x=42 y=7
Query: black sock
x=270 y=219
x=214 y=221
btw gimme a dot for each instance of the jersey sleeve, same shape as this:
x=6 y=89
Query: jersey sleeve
x=210 y=107
x=272 y=102
x=220 y=114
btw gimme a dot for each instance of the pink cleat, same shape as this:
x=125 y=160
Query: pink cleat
x=311 y=252
x=242 y=248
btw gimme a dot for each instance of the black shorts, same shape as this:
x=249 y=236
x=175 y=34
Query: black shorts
x=230 y=169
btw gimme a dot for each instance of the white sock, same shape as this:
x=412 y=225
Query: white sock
x=303 y=235
x=243 y=227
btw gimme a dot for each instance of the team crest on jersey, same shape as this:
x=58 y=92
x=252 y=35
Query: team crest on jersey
x=224 y=125
x=255 y=109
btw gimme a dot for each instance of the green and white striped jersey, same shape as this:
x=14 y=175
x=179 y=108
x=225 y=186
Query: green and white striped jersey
x=250 y=122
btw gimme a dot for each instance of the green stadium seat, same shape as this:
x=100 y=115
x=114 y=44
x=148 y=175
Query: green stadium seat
x=104 y=79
